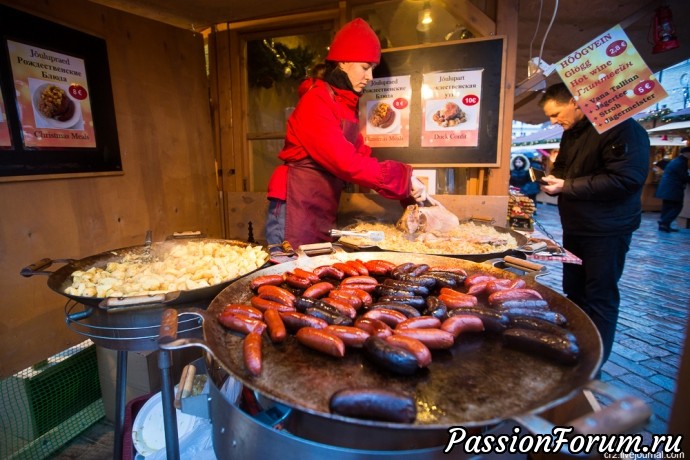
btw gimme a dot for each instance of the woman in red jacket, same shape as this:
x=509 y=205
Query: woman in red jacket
x=324 y=149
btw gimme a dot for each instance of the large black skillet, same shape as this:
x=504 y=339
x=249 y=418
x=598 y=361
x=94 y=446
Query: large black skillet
x=477 y=383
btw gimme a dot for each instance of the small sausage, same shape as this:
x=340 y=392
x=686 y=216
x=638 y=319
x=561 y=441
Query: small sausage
x=329 y=314
x=273 y=280
x=363 y=295
x=382 y=290
x=458 y=324
x=513 y=294
x=494 y=321
x=401 y=269
x=374 y=404
x=359 y=266
x=478 y=278
x=379 y=267
x=276 y=327
x=499 y=284
x=349 y=298
x=328 y=271
x=359 y=286
x=477 y=288
x=420 y=351
x=359 y=280
x=242 y=323
x=418 y=270
x=277 y=294
x=297 y=281
x=321 y=340
x=445 y=279
x=452 y=301
x=436 y=308
x=244 y=310
x=410 y=286
x=390 y=357
x=265 y=304
x=318 y=290
x=435 y=339
x=350 y=335
x=457 y=271
x=302 y=273
x=343 y=307
x=538 y=324
x=391 y=317
x=295 y=320
x=420 y=322
x=345 y=268
x=251 y=353
x=536 y=304
x=542 y=343
x=407 y=310
x=518 y=283
x=416 y=301
x=546 y=315
x=422 y=280
x=374 y=327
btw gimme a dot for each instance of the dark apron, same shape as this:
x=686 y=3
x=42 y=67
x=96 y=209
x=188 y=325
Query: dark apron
x=313 y=197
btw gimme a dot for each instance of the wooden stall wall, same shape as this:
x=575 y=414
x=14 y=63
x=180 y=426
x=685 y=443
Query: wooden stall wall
x=160 y=93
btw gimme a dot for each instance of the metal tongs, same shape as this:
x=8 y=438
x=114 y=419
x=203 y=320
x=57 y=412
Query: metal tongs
x=373 y=235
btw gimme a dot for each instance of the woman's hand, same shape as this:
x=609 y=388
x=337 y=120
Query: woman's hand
x=417 y=190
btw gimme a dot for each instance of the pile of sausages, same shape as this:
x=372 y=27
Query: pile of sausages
x=398 y=314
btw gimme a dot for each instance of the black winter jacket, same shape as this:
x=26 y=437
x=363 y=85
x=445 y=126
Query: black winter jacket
x=604 y=174
x=674 y=180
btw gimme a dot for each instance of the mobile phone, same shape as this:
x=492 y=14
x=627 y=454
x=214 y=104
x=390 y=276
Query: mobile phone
x=537 y=175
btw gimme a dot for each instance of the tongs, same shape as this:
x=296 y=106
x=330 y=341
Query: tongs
x=373 y=235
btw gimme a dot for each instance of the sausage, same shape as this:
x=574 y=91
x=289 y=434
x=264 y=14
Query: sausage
x=243 y=309
x=297 y=281
x=513 y=294
x=363 y=295
x=416 y=301
x=457 y=271
x=242 y=323
x=276 y=327
x=445 y=279
x=349 y=298
x=359 y=286
x=318 y=290
x=391 y=317
x=434 y=339
x=538 y=324
x=478 y=278
x=420 y=322
x=423 y=280
x=420 y=351
x=273 y=280
x=265 y=304
x=537 y=304
x=379 y=267
x=311 y=276
x=343 y=307
x=321 y=340
x=453 y=301
x=277 y=294
x=546 y=315
x=295 y=320
x=494 y=320
x=518 y=283
x=359 y=280
x=499 y=284
x=382 y=290
x=328 y=271
x=416 y=289
x=401 y=269
x=350 y=335
x=374 y=327
x=543 y=343
x=251 y=353
x=418 y=270
x=390 y=357
x=436 y=308
x=403 y=308
x=345 y=268
x=359 y=266
x=458 y=324
x=374 y=404
x=329 y=314
x=477 y=288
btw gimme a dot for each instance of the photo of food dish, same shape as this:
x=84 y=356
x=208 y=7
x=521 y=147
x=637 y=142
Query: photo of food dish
x=54 y=107
x=382 y=118
x=447 y=114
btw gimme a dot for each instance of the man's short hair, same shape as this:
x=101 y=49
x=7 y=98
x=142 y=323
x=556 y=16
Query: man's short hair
x=558 y=92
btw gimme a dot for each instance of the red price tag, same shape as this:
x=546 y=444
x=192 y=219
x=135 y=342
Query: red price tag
x=77 y=92
x=616 y=48
x=644 y=87
x=400 y=103
x=470 y=99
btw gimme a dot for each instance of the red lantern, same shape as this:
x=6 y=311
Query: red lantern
x=664 y=31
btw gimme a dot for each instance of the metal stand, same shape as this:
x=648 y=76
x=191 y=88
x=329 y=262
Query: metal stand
x=120 y=402
x=172 y=445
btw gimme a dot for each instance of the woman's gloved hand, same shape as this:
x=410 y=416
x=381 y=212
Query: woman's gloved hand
x=417 y=190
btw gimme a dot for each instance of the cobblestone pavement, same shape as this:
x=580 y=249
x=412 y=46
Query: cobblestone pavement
x=653 y=313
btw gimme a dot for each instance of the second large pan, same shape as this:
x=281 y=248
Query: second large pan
x=476 y=383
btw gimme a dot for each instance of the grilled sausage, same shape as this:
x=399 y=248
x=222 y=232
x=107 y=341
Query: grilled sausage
x=329 y=314
x=423 y=280
x=456 y=301
x=537 y=304
x=403 y=308
x=542 y=343
x=349 y=298
x=538 y=324
x=328 y=271
x=363 y=295
x=265 y=304
x=243 y=309
x=241 y=323
x=374 y=404
x=390 y=357
x=401 y=269
x=274 y=280
x=546 y=315
x=391 y=317
x=434 y=339
x=499 y=284
x=294 y=320
x=459 y=324
x=420 y=322
x=420 y=351
x=359 y=266
x=416 y=289
x=345 y=268
x=379 y=267
x=343 y=308
x=436 y=308
x=318 y=290
x=478 y=278
x=494 y=321
x=276 y=327
x=477 y=288
x=513 y=294
x=359 y=280
x=321 y=340
x=374 y=327
x=297 y=281
x=416 y=301
x=302 y=273
x=350 y=335
x=251 y=353
x=277 y=294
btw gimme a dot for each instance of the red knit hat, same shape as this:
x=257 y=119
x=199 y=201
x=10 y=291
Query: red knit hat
x=356 y=41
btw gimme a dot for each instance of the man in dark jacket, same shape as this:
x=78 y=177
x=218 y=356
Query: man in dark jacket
x=671 y=190
x=598 y=179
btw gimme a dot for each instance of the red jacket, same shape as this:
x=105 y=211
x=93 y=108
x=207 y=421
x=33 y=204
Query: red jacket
x=314 y=129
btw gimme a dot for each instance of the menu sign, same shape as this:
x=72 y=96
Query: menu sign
x=609 y=79
x=450 y=108
x=52 y=98
x=387 y=112
x=5 y=140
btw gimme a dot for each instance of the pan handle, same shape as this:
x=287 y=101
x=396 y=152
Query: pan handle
x=167 y=334
x=38 y=268
x=625 y=414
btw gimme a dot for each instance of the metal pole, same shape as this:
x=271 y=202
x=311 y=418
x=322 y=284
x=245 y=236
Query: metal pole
x=120 y=402
x=172 y=444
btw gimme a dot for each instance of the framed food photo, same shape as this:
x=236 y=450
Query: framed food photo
x=58 y=101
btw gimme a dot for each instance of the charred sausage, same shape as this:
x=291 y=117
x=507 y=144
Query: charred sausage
x=390 y=357
x=541 y=343
x=414 y=346
x=374 y=404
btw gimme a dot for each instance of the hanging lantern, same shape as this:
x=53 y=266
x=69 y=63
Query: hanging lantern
x=664 y=38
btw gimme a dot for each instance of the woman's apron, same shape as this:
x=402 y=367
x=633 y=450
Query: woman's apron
x=313 y=197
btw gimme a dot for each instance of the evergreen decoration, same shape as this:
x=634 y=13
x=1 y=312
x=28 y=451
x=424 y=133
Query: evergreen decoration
x=270 y=62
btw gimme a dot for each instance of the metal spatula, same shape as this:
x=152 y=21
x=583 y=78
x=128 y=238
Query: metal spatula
x=373 y=235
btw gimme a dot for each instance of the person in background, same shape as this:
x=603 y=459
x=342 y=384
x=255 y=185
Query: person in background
x=671 y=190
x=520 y=178
x=598 y=179
x=324 y=149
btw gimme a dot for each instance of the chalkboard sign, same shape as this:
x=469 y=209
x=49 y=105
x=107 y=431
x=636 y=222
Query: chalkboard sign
x=451 y=125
